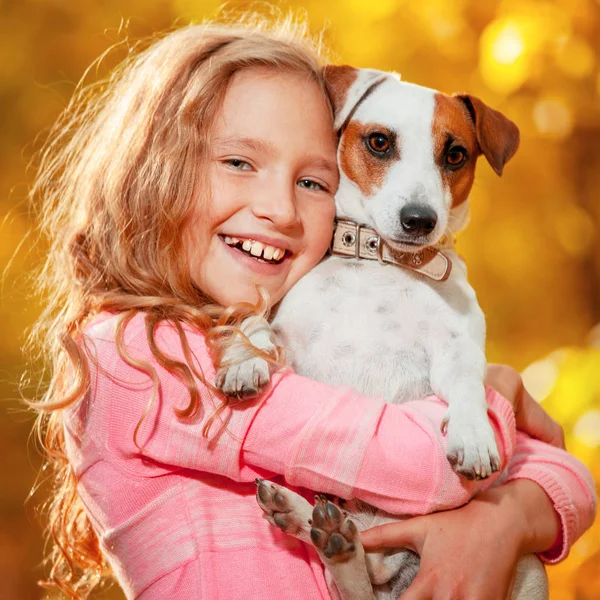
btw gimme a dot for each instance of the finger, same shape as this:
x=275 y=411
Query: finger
x=405 y=534
x=511 y=585
x=535 y=421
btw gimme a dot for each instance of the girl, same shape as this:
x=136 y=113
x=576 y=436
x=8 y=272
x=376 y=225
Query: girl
x=215 y=133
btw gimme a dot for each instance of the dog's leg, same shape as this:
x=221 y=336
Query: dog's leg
x=241 y=372
x=284 y=509
x=531 y=582
x=336 y=539
x=457 y=373
x=399 y=569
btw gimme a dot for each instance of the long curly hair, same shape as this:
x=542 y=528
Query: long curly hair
x=116 y=183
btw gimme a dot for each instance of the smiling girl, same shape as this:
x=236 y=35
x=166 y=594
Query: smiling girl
x=272 y=175
x=206 y=168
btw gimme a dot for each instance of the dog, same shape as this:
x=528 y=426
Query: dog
x=407 y=157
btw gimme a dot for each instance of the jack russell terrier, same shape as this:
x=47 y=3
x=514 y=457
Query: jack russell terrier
x=407 y=158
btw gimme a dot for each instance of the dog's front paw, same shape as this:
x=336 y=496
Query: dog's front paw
x=243 y=373
x=243 y=379
x=471 y=449
x=332 y=532
x=284 y=509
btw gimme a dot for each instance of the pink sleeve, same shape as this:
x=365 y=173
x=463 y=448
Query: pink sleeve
x=566 y=481
x=391 y=456
x=324 y=438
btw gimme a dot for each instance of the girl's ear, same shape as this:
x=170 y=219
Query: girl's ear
x=348 y=86
x=497 y=136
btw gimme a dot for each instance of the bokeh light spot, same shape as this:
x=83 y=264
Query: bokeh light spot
x=587 y=429
x=508 y=46
x=503 y=62
x=540 y=377
x=553 y=117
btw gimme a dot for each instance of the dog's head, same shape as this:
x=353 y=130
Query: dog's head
x=407 y=154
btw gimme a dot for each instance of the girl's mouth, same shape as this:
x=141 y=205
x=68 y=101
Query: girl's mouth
x=257 y=250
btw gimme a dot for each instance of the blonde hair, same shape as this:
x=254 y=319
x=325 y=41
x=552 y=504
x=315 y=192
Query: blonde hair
x=117 y=182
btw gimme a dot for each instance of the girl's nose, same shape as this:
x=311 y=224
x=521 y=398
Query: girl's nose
x=278 y=205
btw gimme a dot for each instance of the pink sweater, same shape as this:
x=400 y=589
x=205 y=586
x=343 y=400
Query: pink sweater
x=180 y=519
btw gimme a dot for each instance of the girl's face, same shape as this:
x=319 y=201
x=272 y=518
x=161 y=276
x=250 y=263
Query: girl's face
x=273 y=175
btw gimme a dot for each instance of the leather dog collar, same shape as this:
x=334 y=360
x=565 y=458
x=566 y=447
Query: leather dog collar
x=353 y=240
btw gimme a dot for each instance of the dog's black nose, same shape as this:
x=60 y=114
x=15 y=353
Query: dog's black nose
x=418 y=219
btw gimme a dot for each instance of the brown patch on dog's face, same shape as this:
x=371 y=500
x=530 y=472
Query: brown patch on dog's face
x=454 y=136
x=338 y=80
x=362 y=158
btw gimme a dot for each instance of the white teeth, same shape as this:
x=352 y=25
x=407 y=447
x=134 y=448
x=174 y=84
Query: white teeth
x=257 y=249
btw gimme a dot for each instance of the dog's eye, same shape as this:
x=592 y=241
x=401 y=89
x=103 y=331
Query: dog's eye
x=456 y=156
x=379 y=143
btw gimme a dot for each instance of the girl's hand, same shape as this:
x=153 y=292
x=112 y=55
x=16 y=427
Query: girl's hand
x=531 y=418
x=471 y=553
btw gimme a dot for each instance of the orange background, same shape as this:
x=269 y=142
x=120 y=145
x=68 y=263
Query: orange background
x=532 y=246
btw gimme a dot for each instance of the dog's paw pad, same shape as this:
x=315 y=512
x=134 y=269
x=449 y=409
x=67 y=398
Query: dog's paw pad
x=282 y=508
x=332 y=532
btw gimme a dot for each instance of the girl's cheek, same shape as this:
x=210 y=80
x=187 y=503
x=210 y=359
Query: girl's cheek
x=323 y=228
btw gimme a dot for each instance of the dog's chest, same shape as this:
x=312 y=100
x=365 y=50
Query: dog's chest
x=374 y=327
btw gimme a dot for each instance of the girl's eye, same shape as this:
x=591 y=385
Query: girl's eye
x=238 y=163
x=309 y=184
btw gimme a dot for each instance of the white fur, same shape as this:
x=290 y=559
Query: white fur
x=418 y=336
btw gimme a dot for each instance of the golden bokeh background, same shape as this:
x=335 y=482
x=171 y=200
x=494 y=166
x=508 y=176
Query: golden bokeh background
x=533 y=245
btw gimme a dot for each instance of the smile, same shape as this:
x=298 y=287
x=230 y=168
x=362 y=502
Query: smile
x=258 y=250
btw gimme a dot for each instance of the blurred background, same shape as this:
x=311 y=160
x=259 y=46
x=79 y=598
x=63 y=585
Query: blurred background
x=533 y=245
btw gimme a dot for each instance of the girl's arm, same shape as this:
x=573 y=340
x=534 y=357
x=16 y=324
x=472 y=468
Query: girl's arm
x=317 y=436
x=336 y=441
x=424 y=481
x=547 y=502
x=320 y=437
x=570 y=497
x=568 y=487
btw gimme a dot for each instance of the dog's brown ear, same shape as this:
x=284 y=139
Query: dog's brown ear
x=347 y=86
x=498 y=137
x=339 y=80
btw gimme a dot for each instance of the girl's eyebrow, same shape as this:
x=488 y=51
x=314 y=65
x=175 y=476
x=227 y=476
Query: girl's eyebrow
x=254 y=144
x=322 y=163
